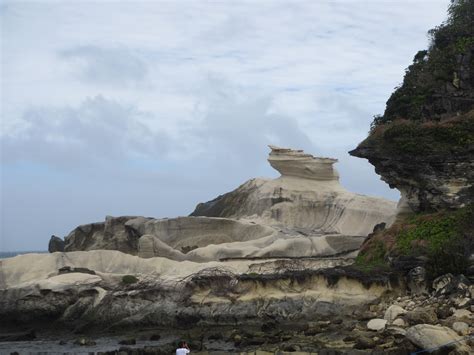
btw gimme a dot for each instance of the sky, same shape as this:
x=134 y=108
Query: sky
x=148 y=108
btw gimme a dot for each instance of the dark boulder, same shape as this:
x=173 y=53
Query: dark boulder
x=55 y=244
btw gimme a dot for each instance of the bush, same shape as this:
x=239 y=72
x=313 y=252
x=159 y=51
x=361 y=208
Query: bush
x=446 y=238
x=416 y=138
x=129 y=279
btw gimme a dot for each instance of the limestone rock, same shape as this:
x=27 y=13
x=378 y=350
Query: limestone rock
x=304 y=213
x=171 y=293
x=399 y=322
x=463 y=313
x=296 y=163
x=428 y=336
x=307 y=197
x=55 y=244
x=393 y=312
x=376 y=324
x=461 y=328
x=112 y=234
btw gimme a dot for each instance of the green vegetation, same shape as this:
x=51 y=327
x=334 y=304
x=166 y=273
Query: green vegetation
x=431 y=82
x=415 y=138
x=446 y=238
x=129 y=279
x=373 y=259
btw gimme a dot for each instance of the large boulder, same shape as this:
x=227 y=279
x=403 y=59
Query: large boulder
x=427 y=336
x=55 y=244
x=307 y=197
x=304 y=213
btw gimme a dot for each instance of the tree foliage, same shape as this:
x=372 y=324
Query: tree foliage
x=439 y=82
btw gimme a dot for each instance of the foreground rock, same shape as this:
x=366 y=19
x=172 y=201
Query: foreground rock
x=169 y=293
x=431 y=337
x=304 y=213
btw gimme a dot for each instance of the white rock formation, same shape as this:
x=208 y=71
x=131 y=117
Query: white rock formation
x=296 y=163
x=303 y=213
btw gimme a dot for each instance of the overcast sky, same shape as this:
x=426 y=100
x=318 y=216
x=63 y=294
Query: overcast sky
x=147 y=108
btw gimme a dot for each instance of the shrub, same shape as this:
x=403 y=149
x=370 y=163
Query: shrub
x=129 y=279
x=446 y=238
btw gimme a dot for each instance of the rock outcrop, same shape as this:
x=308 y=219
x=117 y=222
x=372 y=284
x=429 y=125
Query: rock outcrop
x=55 y=244
x=423 y=144
x=307 y=197
x=304 y=213
x=169 y=292
x=429 y=179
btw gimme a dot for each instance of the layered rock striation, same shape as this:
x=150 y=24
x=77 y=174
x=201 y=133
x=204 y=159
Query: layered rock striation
x=307 y=197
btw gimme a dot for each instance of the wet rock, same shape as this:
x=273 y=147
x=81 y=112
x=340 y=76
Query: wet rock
x=130 y=341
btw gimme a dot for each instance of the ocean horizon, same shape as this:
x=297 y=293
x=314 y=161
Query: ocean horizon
x=11 y=254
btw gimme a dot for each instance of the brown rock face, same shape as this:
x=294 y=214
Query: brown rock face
x=427 y=182
x=423 y=144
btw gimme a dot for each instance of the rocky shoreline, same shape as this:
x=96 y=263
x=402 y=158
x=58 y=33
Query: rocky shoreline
x=285 y=306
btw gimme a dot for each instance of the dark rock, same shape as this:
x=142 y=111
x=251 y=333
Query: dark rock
x=18 y=336
x=417 y=282
x=155 y=337
x=444 y=312
x=113 y=234
x=62 y=342
x=449 y=284
x=68 y=269
x=425 y=316
x=291 y=347
x=363 y=342
x=55 y=244
x=128 y=342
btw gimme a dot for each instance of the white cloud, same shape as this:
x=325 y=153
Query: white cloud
x=188 y=92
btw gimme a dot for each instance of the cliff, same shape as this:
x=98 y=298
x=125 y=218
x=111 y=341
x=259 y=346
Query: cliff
x=423 y=144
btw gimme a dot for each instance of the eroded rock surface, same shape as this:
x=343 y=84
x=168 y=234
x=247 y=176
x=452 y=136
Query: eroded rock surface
x=304 y=213
x=170 y=293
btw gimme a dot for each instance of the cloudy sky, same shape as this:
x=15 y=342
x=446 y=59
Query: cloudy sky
x=147 y=108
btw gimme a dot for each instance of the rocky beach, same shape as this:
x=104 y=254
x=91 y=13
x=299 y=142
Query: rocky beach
x=296 y=264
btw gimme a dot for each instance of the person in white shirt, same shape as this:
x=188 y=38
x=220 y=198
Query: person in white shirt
x=183 y=349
